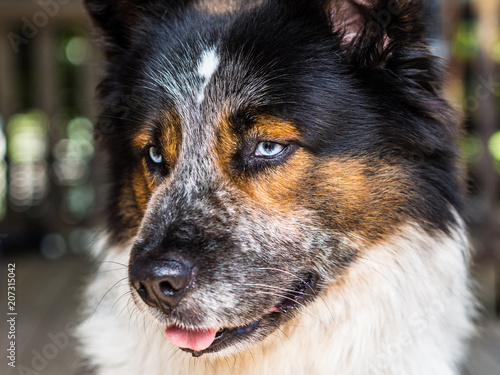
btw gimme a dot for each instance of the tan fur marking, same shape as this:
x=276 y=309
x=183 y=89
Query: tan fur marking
x=225 y=146
x=279 y=187
x=129 y=209
x=143 y=185
x=141 y=139
x=219 y=7
x=362 y=201
x=274 y=129
x=171 y=138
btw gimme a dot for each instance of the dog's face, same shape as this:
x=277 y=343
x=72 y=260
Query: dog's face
x=258 y=149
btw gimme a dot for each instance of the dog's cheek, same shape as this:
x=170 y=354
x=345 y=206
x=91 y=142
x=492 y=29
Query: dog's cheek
x=364 y=201
x=301 y=220
x=142 y=184
x=128 y=205
x=131 y=198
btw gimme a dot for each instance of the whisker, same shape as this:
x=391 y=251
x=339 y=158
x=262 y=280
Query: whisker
x=113 y=262
x=123 y=295
x=104 y=296
x=103 y=271
x=277 y=288
x=313 y=292
x=127 y=306
x=286 y=272
x=284 y=297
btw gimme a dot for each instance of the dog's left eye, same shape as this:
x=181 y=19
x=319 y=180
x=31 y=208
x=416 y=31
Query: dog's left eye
x=155 y=155
x=269 y=149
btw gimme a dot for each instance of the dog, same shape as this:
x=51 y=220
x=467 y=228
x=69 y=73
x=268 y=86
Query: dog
x=285 y=192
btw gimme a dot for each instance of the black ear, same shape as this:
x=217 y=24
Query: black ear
x=118 y=19
x=373 y=30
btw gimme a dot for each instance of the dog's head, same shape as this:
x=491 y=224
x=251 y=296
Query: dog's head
x=258 y=148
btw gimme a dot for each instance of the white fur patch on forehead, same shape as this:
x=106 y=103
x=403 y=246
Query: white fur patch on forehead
x=207 y=66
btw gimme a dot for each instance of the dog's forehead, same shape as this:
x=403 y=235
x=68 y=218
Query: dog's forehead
x=212 y=66
x=206 y=84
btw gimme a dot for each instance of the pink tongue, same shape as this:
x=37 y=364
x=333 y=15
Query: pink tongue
x=190 y=339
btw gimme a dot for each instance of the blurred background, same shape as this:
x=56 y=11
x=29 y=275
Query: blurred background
x=50 y=182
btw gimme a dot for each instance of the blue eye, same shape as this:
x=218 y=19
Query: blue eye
x=155 y=155
x=269 y=149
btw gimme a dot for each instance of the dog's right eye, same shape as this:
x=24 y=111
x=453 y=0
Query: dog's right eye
x=155 y=161
x=269 y=149
x=155 y=155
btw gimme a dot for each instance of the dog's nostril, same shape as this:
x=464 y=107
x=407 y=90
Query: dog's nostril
x=142 y=290
x=167 y=288
x=175 y=282
x=161 y=283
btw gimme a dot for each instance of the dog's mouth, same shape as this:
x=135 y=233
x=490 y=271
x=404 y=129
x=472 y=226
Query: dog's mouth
x=199 y=342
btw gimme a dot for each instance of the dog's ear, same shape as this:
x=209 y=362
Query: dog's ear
x=373 y=30
x=118 y=19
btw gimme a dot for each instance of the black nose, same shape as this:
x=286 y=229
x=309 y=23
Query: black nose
x=161 y=283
